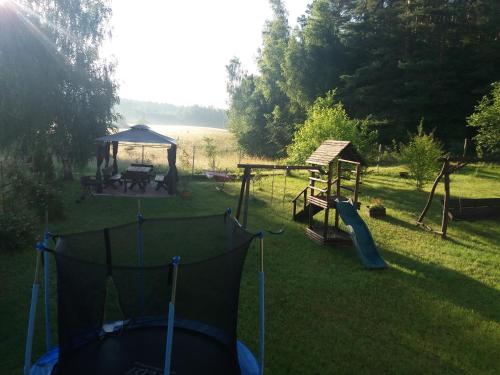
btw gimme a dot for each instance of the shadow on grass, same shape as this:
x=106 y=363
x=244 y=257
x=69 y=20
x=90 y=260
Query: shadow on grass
x=492 y=234
x=487 y=231
x=478 y=171
x=484 y=228
x=483 y=247
x=447 y=284
x=402 y=199
x=401 y=223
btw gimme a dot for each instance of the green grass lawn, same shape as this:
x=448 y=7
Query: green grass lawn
x=435 y=310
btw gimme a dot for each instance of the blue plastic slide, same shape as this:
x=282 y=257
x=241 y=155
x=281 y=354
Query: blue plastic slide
x=360 y=235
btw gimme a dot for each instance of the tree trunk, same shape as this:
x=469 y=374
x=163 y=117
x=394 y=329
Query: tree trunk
x=67 y=170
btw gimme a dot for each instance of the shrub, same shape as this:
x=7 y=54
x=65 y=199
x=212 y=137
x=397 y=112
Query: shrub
x=185 y=159
x=210 y=150
x=36 y=192
x=16 y=230
x=327 y=119
x=390 y=154
x=24 y=203
x=421 y=156
x=486 y=119
x=42 y=196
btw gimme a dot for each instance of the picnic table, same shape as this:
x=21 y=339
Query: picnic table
x=137 y=175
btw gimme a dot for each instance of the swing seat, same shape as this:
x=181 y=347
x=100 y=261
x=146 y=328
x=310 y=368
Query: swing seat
x=473 y=209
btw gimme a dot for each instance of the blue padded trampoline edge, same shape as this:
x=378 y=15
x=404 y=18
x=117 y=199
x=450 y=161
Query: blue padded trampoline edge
x=247 y=361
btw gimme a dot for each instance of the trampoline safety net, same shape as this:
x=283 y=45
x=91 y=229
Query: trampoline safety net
x=124 y=274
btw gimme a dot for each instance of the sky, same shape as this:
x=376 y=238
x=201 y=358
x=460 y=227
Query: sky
x=175 y=51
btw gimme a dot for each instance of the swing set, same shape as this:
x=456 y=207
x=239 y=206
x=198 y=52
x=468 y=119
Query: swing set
x=331 y=166
x=242 y=210
x=457 y=208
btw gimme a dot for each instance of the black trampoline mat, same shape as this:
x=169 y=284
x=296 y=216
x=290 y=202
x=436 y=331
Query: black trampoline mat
x=142 y=352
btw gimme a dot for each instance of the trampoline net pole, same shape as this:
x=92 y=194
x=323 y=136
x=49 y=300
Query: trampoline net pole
x=32 y=313
x=229 y=229
x=46 y=284
x=140 y=258
x=261 y=295
x=171 y=313
x=46 y=287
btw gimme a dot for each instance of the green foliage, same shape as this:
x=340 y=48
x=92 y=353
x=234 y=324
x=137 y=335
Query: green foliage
x=316 y=57
x=17 y=230
x=421 y=155
x=55 y=90
x=395 y=61
x=43 y=196
x=486 y=120
x=210 y=150
x=247 y=118
x=260 y=115
x=32 y=192
x=25 y=196
x=389 y=155
x=327 y=119
x=42 y=166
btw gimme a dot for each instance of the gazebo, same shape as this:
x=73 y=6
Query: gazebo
x=138 y=134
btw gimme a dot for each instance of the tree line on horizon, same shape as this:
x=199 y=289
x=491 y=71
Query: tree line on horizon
x=392 y=64
x=136 y=111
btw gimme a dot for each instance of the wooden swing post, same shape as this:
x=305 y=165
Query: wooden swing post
x=337 y=189
x=445 y=172
x=245 y=185
x=446 y=204
x=431 y=195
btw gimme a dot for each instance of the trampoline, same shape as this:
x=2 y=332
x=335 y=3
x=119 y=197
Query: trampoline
x=158 y=296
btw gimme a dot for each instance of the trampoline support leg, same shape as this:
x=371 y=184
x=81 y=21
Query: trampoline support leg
x=261 y=348
x=31 y=329
x=46 y=288
x=170 y=335
x=32 y=315
x=171 y=314
x=140 y=258
x=262 y=311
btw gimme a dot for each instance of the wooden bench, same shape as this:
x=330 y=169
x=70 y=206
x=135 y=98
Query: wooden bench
x=470 y=209
x=141 y=179
x=161 y=181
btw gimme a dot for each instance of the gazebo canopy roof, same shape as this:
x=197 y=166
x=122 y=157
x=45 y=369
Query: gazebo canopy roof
x=138 y=134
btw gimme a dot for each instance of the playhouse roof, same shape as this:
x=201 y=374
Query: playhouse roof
x=331 y=150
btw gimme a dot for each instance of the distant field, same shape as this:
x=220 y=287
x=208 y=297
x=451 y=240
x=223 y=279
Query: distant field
x=189 y=141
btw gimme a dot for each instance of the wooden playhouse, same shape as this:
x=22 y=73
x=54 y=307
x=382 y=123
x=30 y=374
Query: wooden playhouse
x=335 y=174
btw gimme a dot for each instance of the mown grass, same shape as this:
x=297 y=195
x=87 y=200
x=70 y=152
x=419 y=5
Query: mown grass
x=435 y=310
